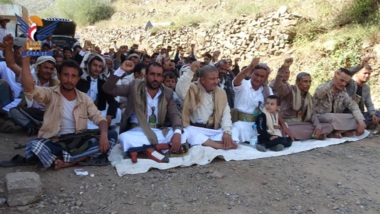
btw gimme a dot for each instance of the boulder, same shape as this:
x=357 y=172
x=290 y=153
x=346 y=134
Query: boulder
x=22 y=188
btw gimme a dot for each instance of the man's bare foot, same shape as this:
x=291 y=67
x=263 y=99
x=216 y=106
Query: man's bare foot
x=219 y=145
x=348 y=134
x=213 y=144
x=232 y=146
x=334 y=135
x=59 y=164
x=321 y=137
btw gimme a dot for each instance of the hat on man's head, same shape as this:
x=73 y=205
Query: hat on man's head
x=133 y=55
x=3 y=18
x=43 y=59
x=76 y=44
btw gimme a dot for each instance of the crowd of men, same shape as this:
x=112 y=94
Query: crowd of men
x=156 y=105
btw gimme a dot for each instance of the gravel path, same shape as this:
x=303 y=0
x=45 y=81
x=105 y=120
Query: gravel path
x=336 y=179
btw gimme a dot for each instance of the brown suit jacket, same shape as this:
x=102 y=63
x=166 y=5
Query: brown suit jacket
x=173 y=116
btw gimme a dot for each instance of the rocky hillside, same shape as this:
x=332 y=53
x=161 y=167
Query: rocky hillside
x=270 y=35
x=314 y=32
x=35 y=6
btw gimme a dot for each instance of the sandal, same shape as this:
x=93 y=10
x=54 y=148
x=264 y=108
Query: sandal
x=99 y=161
x=17 y=160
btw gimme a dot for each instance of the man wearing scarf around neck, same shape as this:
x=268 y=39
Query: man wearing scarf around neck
x=151 y=120
x=297 y=105
x=206 y=114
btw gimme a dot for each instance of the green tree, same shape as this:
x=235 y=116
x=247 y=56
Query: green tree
x=6 y=1
x=359 y=12
x=84 y=12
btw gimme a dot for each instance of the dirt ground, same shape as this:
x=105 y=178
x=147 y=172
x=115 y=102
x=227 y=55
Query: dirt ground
x=335 y=179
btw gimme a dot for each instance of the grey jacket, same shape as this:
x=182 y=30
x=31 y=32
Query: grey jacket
x=351 y=89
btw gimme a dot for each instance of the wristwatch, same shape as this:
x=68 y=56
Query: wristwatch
x=228 y=132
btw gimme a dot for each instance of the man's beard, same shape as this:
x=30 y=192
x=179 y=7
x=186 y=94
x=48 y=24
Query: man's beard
x=67 y=89
x=222 y=76
x=151 y=86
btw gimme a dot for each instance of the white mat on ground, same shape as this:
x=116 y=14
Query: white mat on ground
x=204 y=155
x=114 y=122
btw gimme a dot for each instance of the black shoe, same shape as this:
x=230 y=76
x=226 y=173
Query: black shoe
x=261 y=148
x=31 y=131
x=277 y=148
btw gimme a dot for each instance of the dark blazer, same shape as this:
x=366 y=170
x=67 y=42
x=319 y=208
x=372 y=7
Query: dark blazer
x=78 y=58
x=102 y=98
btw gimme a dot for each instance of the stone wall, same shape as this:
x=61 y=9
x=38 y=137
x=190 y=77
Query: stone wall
x=244 y=37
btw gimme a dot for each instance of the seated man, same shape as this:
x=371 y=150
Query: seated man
x=225 y=80
x=67 y=111
x=7 y=71
x=138 y=73
x=206 y=114
x=91 y=82
x=360 y=91
x=8 y=76
x=330 y=101
x=10 y=89
x=149 y=114
x=109 y=70
x=29 y=113
x=249 y=94
x=297 y=105
x=6 y=93
x=6 y=97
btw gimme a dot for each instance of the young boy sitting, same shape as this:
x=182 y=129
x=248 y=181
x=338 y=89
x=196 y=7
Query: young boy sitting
x=170 y=81
x=270 y=135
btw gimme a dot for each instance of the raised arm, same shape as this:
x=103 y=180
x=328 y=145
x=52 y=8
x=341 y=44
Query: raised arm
x=184 y=81
x=236 y=68
x=176 y=56
x=282 y=88
x=215 y=57
x=26 y=77
x=192 y=51
x=239 y=78
x=8 y=42
x=110 y=86
x=118 y=56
